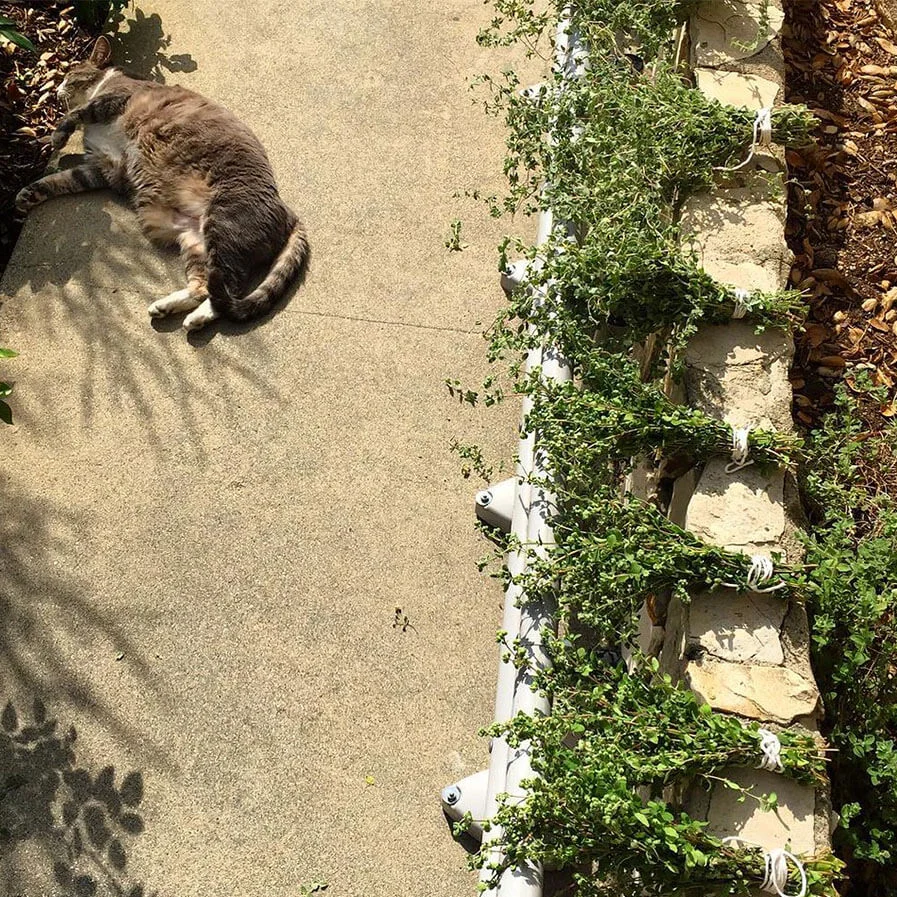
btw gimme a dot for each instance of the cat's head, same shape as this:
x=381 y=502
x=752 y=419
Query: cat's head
x=83 y=77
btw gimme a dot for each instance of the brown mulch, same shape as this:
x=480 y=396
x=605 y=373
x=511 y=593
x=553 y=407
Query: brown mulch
x=842 y=62
x=29 y=108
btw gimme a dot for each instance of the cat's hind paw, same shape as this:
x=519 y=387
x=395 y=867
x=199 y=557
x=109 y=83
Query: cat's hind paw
x=179 y=300
x=203 y=315
x=26 y=199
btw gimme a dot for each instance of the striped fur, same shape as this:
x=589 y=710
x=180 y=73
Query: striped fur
x=199 y=179
x=61 y=183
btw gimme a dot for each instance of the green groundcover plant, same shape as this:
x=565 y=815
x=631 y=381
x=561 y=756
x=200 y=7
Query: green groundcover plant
x=614 y=152
x=851 y=589
x=612 y=748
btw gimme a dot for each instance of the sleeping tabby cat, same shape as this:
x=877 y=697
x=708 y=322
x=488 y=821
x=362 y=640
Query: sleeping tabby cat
x=199 y=178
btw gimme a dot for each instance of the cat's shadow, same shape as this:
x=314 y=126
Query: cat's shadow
x=228 y=327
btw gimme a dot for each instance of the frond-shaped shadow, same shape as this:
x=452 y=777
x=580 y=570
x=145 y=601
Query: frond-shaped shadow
x=47 y=618
x=85 y=272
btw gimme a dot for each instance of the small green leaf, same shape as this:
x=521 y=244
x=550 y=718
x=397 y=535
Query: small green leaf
x=18 y=39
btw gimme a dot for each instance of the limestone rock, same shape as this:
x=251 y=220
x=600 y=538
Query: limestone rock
x=735 y=510
x=742 y=628
x=774 y=693
x=737 y=88
x=792 y=823
x=724 y=31
x=738 y=234
x=741 y=376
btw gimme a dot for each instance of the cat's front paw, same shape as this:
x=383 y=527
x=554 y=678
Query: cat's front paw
x=26 y=199
x=59 y=138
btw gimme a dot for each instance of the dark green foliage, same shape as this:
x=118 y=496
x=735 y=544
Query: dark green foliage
x=615 y=552
x=645 y=22
x=615 y=416
x=612 y=745
x=851 y=590
x=625 y=152
x=5 y=390
x=8 y=31
x=94 y=14
x=614 y=154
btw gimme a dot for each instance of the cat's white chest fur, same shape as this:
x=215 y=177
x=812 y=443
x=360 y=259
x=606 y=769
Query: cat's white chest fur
x=107 y=140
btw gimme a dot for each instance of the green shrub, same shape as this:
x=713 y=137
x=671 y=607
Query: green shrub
x=851 y=590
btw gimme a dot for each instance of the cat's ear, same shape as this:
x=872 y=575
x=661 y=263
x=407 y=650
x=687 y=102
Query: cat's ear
x=101 y=55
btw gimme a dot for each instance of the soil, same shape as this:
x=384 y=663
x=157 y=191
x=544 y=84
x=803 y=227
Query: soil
x=842 y=62
x=29 y=107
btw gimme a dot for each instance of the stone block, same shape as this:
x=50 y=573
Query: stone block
x=769 y=693
x=792 y=824
x=738 y=234
x=683 y=490
x=724 y=31
x=737 y=510
x=738 y=88
x=738 y=627
x=741 y=376
x=676 y=639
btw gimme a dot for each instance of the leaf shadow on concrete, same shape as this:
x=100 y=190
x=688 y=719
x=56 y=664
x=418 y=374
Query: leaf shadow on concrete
x=141 y=43
x=86 y=274
x=64 y=829
x=48 y=621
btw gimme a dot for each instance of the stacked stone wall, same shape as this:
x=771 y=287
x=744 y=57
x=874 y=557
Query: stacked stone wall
x=745 y=654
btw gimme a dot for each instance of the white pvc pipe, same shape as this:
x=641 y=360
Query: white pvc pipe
x=530 y=528
x=515 y=561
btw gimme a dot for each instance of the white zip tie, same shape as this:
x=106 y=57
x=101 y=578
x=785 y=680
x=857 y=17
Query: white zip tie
x=763 y=125
x=741 y=298
x=740 y=450
x=762 y=137
x=771 y=748
x=761 y=571
x=775 y=879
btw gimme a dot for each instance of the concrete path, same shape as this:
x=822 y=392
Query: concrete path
x=204 y=542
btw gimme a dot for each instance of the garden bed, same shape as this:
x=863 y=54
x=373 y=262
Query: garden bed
x=842 y=60
x=621 y=294
x=29 y=106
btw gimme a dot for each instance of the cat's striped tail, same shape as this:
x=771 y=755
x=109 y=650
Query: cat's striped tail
x=291 y=261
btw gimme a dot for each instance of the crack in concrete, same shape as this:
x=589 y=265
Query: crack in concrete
x=362 y=320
